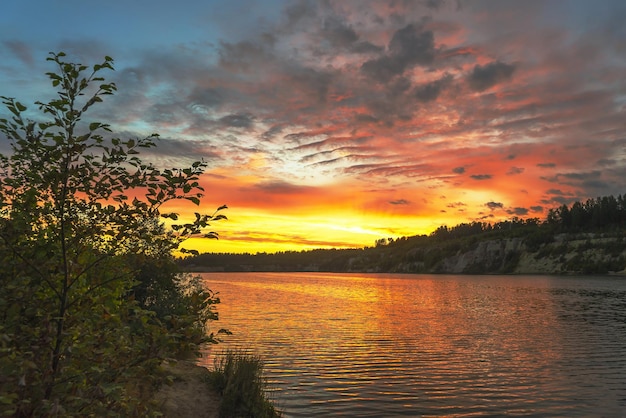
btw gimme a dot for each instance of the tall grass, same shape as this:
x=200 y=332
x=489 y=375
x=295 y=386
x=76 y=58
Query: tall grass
x=238 y=377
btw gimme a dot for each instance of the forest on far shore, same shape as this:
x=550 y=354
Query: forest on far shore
x=582 y=238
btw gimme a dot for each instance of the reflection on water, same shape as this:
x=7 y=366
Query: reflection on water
x=419 y=345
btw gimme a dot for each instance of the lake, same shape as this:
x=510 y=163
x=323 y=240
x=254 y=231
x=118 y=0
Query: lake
x=385 y=345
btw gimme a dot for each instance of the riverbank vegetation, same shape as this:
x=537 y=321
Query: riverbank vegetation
x=238 y=377
x=582 y=238
x=91 y=299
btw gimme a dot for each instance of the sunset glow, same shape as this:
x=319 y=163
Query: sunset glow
x=334 y=124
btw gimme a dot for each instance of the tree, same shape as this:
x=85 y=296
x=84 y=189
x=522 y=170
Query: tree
x=75 y=203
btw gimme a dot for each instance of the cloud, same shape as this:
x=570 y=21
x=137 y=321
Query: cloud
x=21 y=50
x=409 y=46
x=537 y=208
x=400 y=202
x=237 y=120
x=435 y=4
x=281 y=187
x=343 y=37
x=546 y=165
x=208 y=96
x=338 y=33
x=458 y=170
x=581 y=176
x=483 y=77
x=514 y=171
x=412 y=45
x=556 y=192
x=518 y=211
x=277 y=237
x=481 y=176
x=430 y=91
x=494 y=205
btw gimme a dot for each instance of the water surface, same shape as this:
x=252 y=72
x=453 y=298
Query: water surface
x=421 y=345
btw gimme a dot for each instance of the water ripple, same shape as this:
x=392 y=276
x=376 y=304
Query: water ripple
x=385 y=345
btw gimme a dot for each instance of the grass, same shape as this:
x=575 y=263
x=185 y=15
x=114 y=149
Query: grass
x=238 y=377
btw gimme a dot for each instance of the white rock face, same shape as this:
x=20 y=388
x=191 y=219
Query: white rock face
x=567 y=254
x=492 y=254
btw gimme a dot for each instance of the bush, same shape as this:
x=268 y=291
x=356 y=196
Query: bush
x=76 y=205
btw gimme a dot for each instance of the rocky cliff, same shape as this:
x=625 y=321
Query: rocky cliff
x=568 y=254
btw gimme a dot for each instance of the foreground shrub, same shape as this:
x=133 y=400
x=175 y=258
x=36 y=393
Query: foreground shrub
x=76 y=204
x=179 y=301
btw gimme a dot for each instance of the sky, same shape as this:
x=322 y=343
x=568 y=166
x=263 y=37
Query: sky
x=332 y=124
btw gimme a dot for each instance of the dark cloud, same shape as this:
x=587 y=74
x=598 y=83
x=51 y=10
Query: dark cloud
x=400 y=202
x=237 y=120
x=311 y=82
x=339 y=34
x=607 y=162
x=592 y=181
x=273 y=132
x=518 y=211
x=277 y=237
x=581 y=176
x=537 y=209
x=382 y=69
x=210 y=97
x=299 y=11
x=408 y=47
x=360 y=117
x=364 y=47
x=430 y=91
x=483 y=77
x=171 y=152
x=494 y=205
x=458 y=170
x=281 y=187
x=434 y=4
x=514 y=170
x=556 y=192
x=546 y=165
x=21 y=51
x=599 y=187
x=399 y=85
x=335 y=142
x=413 y=46
x=481 y=176
x=244 y=56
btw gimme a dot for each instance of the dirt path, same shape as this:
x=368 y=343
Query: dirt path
x=190 y=396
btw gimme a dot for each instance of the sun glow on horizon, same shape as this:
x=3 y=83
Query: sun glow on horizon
x=335 y=124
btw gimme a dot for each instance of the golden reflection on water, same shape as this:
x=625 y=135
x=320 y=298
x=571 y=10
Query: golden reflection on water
x=380 y=341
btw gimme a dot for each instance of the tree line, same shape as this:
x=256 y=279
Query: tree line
x=602 y=215
x=598 y=213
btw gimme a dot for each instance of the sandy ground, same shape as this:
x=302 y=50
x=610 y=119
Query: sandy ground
x=190 y=396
